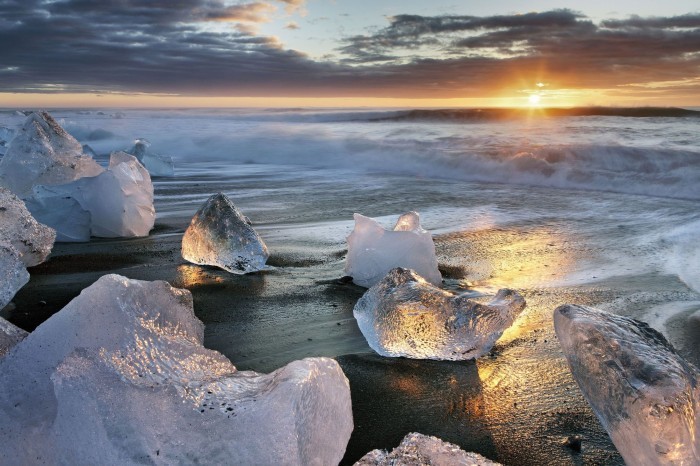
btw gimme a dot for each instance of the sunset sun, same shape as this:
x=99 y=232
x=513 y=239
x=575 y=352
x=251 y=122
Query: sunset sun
x=534 y=100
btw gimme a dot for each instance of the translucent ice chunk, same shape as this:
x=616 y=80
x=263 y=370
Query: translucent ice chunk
x=53 y=205
x=219 y=234
x=120 y=376
x=404 y=315
x=13 y=273
x=373 y=251
x=10 y=335
x=43 y=153
x=644 y=394
x=32 y=240
x=156 y=164
x=423 y=450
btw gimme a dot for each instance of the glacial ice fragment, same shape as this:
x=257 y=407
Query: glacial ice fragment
x=43 y=153
x=32 y=240
x=424 y=450
x=373 y=251
x=13 y=273
x=10 y=335
x=120 y=376
x=219 y=234
x=156 y=164
x=404 y=315
x=53 y=205
x=644 y=394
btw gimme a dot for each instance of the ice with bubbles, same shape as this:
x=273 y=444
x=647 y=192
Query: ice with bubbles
x=644 y=394
x=424 y=450
x=156 y=164
x=10 y=335
x=374 y=251
x=120 y=376
x=219 y=234
x=32 y=240
x=404 y=315
x=43 y=153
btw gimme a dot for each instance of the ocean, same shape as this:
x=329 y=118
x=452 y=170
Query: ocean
x=596 y=207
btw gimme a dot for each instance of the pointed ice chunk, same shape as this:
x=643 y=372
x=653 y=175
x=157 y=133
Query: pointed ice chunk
x=13 y=273
x=156 y=164
x=644 y=394
x=32 y=240
x=43 y=153
x=220 y=235
x=423 y=450
x=373 y=251
x=10 y=335
x=120 y=376
x=404 y=315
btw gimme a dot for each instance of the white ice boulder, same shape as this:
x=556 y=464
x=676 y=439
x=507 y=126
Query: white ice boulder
x=43 y=153
x=644 y=394
x=219 y=234
x=424 y=450
x=404 y=315
x=156 y=164
x=373 y=251
x=120 y=376
x=13 y=273
x=32 y=240
x=10 y=335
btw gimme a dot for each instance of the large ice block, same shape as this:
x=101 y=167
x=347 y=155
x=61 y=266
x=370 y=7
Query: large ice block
x=43 y=153
x=120 y=376
x=644 y=394
x=219 y=234
x=404 y=315
x=13 y=273
x=373 y=251
x=424 y=450
x=156 y=164
x=53 y=205
x=32 y=240
x=10 y=335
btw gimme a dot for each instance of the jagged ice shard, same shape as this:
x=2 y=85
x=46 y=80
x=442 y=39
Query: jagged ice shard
x=32 y=240
x=156 y=164
x=120 y=376
x=644 y=394
x=219 y=234
x=373 y=251
x=43 y=153
x=404 y=315
x=424 y=450
x=10 y=335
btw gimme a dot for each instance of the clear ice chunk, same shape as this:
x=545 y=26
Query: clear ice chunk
x=404 y=315
x=10 y=335
x=373 y=251
x=13 y=273
x=120 y=376
x=43 y=153
x=156 y=164
x=32 y=240
x=219 y=234
x=644 y=394
x=424 y=450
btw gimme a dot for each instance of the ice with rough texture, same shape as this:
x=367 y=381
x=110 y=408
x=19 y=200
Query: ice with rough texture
x=644 y=394
x=32 y=240
x=373 y=251
x=13 y=273
x=219 y=234
x=10 y=335
x=404 y=315
x=119 y=202
x=156 y=164
x=120 y=376
x=43 y=153
x=424 y=450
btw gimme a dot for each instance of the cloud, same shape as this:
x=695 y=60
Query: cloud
x=291 y=25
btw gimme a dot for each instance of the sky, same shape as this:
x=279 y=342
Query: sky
x=380 y=53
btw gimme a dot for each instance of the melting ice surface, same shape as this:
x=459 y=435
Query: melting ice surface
x=644 y=394
x=32 y=240
x=42 y=152
x=374 y=251
x=421 y=450
x=404 y=315
x=219 y=234
x=120 y=376
x=156 y=164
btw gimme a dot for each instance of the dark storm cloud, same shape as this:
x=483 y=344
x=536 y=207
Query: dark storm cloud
x=162 y=46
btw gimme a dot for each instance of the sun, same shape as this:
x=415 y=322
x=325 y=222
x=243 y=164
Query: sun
x=534 y=100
